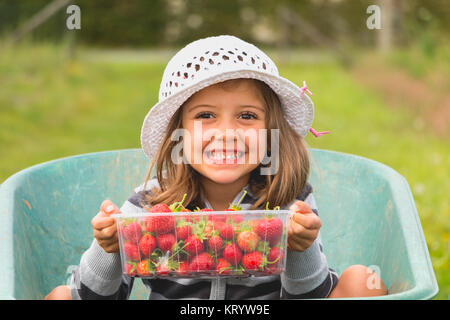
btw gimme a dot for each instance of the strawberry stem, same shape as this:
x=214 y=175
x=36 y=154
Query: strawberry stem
x=236 y=206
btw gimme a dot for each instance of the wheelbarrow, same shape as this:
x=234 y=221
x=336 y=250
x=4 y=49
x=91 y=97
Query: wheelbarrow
x=367 y=210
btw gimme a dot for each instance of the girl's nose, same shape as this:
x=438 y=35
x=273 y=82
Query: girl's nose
x=226 y=131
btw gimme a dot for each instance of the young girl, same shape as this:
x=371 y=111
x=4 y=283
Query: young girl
x=220 y=93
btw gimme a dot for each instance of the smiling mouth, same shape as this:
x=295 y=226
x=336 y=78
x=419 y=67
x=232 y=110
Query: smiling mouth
x=225 y=156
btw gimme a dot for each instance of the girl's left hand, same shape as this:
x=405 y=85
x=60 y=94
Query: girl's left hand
x=303 y=227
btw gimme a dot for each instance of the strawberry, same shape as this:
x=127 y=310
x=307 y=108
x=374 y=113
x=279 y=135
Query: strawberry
x=132 y=232
x=162 y=269
x=131 y=251
x=182 y=269
x=160 y=207
x=253 y=224
x=163 y=224
x=235 y=218
x=247 y=240
x=275 y=255
x=223 y=266
x=270 y=229
x=130 y=269
x=193 y=244
x=183 y=231
x=147 y=244
x=209 y=230
x=160 y=224
x=226 y=230
x=143 y=268
x=201 y=262
x=215 y=244
x=232 y=253
x=166 y=241
x=273 y=269
x=253 y=261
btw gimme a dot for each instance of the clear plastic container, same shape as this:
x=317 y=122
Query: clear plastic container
x=205 y=244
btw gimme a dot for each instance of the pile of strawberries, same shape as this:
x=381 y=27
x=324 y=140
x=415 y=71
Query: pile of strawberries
x=201 y=243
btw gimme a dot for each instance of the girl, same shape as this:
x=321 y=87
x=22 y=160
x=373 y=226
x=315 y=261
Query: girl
x=217 y=95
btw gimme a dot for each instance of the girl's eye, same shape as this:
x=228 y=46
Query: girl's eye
x=248 y=115
x=204 y=115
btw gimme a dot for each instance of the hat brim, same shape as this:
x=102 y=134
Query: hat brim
x=299 y=111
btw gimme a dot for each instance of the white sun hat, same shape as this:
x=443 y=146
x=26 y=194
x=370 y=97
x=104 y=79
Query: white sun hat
x=216 y=59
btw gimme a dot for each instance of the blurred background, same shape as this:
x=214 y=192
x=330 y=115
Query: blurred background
x=381 y=84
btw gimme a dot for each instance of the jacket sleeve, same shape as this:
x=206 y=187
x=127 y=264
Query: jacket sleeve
x=307 y=274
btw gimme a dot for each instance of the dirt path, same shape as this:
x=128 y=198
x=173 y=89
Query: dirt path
x=399 y=89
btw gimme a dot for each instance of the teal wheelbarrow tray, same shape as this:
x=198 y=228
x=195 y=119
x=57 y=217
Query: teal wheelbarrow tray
x=367 y=211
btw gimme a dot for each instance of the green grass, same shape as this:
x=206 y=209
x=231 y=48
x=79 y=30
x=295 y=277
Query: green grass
x=52 y=107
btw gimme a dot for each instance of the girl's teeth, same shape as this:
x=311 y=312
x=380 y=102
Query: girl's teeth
x=222 y=156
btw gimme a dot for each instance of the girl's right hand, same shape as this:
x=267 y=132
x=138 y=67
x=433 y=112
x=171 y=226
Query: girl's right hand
x=105 y=230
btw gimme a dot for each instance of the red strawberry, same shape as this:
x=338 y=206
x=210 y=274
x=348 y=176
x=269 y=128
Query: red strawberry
x=131 y=251
x=253 y=261
x=226 y=230
x=234 y=218
x=183 y=231
x=247 y=240
x=208 y=231
x=273 y=269
x=270 y=229
x=193 y=245
x=201 y=262
x=223 y=266
x=253 y=224
x=182 y=269
x=130 y=269
x=232 y=253
x=275 y=254
x=132 y=232
x=147 y=244
x=162 y=269
x=166 y=241
x=160 y=224
x=160 y=207
x=215 y=243
x=143 y=269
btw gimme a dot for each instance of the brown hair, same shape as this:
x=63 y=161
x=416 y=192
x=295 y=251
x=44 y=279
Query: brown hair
x=278 y=189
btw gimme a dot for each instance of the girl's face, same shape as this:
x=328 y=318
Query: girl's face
x=227 y=147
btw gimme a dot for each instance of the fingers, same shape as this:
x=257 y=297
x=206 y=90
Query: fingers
x=108 y=233
x=303 y=229
x=109 y=247
x=101 y=221
x=309 y=221
x=300 y=242
x=108 y=207
x=297 y=231
x=300 y=206
x=104 y=227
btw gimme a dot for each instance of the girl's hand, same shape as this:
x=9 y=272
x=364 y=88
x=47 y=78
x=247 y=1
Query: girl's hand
x=303 y=227
x=105 y=230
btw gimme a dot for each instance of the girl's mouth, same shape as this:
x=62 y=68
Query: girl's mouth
x=225 y=157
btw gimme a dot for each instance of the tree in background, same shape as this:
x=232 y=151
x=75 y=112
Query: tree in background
x=141 y=23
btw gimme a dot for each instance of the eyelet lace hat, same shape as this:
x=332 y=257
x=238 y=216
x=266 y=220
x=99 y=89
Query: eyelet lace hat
x=216 y=59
